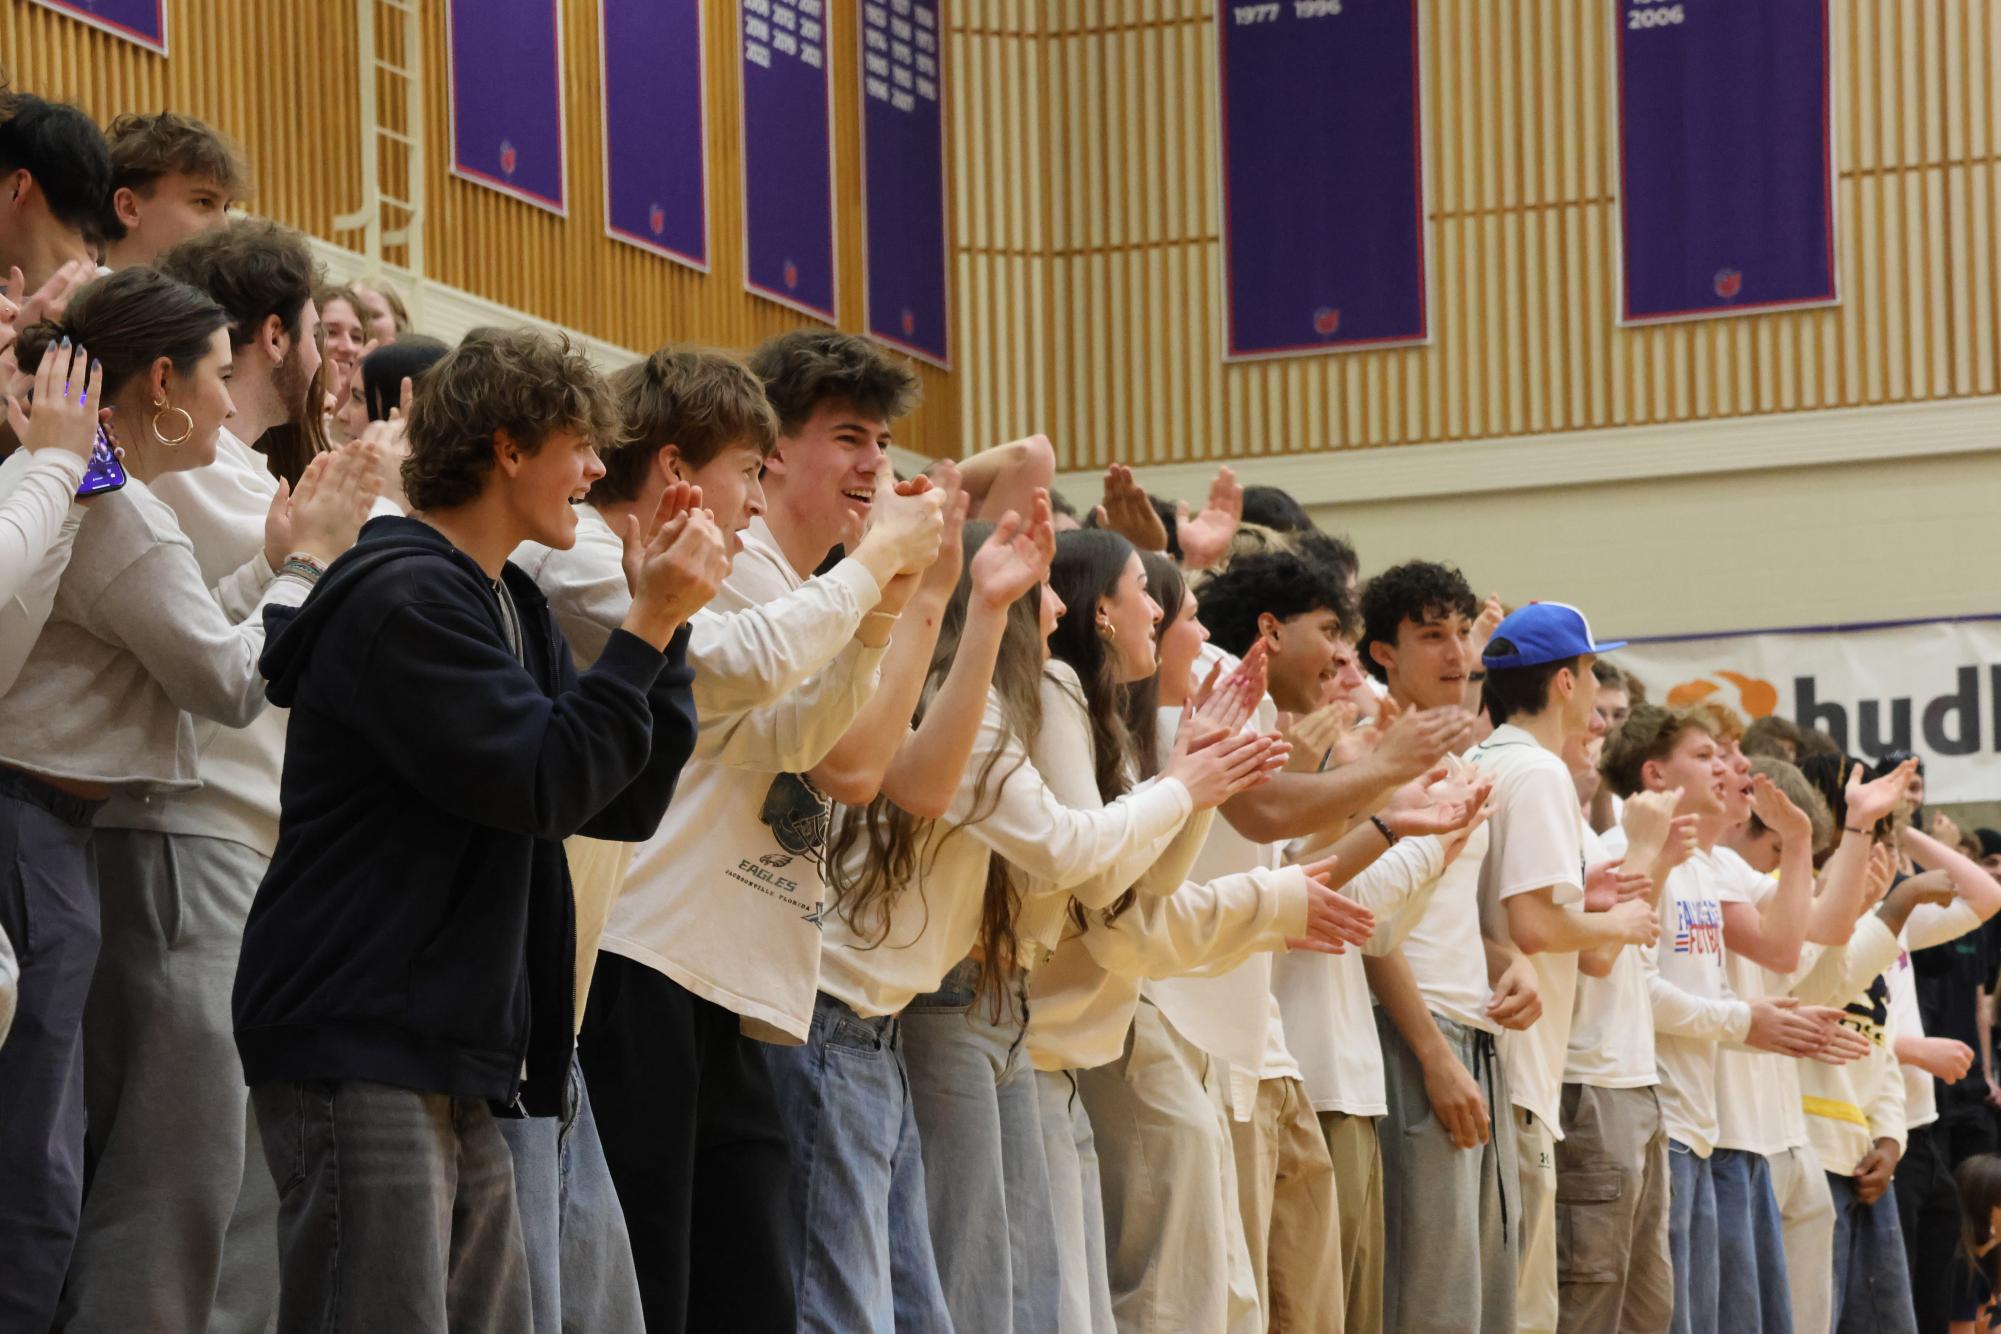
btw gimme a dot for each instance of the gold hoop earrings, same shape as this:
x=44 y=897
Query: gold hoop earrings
x=160 y=409
x=1109 y=631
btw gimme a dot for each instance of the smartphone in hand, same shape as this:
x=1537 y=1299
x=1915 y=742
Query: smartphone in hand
x=104 y=472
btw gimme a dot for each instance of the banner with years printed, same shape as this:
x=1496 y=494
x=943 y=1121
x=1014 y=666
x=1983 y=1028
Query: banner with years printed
x=788 y=154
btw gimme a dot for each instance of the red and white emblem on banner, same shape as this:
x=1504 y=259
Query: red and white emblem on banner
x=791 y=274
x=909 y=321
x=1729 y=282
x=508 y=158
x=656 y=219
x=1327 y=321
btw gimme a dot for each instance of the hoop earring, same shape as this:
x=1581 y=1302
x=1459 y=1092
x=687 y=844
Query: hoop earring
x=1109 y=631
x=160 y=409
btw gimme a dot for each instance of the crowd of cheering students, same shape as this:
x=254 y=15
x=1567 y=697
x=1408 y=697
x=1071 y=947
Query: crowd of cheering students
x=491 y=846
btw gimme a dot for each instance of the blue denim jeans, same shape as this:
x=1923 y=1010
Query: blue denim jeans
x=1752 y=1292
x=1692 y=1241
x=580 y=1270
x=864 y=1259
x=1872 y=1277
x=986 y=1177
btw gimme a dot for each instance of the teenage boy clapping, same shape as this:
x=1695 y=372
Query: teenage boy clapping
x=407 y=966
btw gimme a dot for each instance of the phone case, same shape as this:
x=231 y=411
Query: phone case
x=104 y=472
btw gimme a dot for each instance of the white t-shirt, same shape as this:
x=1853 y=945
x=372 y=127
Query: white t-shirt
x=1753 y=1088
x=1444 y=950
x=1325 y=997
x=1694 y=1007
x=1536 y=842
x=1920 y=1101
x=1611 y=1020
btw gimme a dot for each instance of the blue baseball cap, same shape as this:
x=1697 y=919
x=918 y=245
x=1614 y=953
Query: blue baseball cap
x=1539 y=633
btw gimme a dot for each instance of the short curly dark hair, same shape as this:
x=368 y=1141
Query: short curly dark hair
x=808 y=367
x=1279 y=582
x=526 y=382
x=1418 y=591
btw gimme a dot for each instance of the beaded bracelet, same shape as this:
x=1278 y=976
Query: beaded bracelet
x=308 y=568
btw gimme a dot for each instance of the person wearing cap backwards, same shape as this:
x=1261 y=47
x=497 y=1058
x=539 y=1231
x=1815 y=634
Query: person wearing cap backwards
x=1539 y=694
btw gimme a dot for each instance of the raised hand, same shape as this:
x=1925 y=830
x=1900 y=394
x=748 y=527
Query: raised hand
x=1489 y=620
x=1945 y=831
x=941 y=578
x=333 y=499
x=1446 y=808
x=1609 y=883
x=1333 y=921
x=1215 y=773
x=906 y=520
x=69 y=389
x=1128 y=511
x=51 y=300
x=1315 y=735
x=680 y=568
x=1015 y=558
x=1778 y=813
x=1647 y=817
x=1871 y=801
x=1415 y=742
x=1205 y=539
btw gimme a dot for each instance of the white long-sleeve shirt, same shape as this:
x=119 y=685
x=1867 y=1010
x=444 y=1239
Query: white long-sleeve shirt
x=1694 y=1008
x=725 y=898
x=39 y=517
x=136 y=647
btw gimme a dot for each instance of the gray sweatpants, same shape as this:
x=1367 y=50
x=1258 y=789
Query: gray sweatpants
x=180 y=1217
x=1450 y=1215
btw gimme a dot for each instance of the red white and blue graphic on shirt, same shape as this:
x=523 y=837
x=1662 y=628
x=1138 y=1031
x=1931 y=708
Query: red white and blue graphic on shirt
x=1726 y=157
x=1323 y=176
x=506 y=86
x=1698 y=928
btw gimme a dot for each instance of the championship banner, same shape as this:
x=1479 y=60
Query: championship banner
x=1930 y=687
x=1726 y=157
x=506 y=84
x=656 y=181
x=141 y=21
x=1323 y=176
x=903 y=177
x=788 y=155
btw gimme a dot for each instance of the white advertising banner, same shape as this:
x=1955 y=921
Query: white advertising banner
x=1931 y=687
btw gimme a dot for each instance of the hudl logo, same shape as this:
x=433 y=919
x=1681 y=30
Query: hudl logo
x=1947 y=724
x=1729 y=282
x=1757 y=699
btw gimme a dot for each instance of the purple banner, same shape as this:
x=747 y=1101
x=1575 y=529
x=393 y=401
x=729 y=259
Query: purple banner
x=1323 y=176
x=903 y=176
x=788 y=154
x=655 y=127
x=141 y=21
x=1726 y=174
x=507 y=97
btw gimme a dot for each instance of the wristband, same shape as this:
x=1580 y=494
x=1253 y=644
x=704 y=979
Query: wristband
x=1851 y=829
x=308 y=568
x=1389 y=836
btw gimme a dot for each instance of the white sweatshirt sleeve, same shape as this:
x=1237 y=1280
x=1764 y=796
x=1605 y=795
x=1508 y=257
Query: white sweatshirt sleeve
x=753 y=657
x=1683 y=1014
x=158 y=608
x=1397 y=888
x=1886 y=1107
x=1936 y=923
x=792 y=734
x=1843 y=972
x=1202 y=929
x=38 y=523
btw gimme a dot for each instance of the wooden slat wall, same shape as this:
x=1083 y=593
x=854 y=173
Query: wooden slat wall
x=1089 y=276
x=280 y=76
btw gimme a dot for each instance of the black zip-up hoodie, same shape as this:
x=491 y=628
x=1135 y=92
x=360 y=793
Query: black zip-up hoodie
x=416 y=926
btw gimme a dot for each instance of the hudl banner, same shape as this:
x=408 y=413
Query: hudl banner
x=141 y=21
x=788 y=154
x=1932 y=687
x=507 y=97
x=1323 y=176
x=903 y=175
x=1726 y=157
x=655 y=127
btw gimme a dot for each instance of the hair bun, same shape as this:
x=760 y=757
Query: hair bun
x=34 y=341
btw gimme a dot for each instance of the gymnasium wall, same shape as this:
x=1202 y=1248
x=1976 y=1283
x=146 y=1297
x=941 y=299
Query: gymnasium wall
x=282 y=77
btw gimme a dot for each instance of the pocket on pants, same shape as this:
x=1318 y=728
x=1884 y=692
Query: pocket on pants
x=1588 y=1226
x=851 y=1037
x=283 y=1113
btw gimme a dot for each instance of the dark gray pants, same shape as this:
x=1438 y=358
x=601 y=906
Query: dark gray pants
x=395 y=1212
x=48 y=908
x=180 y=1219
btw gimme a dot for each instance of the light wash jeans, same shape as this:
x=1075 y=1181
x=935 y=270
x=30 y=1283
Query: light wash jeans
x=1692 y=1240
x=580 y=1270
x=1872 y=1275
x=985 y=1177
x=1077 y=1200
x=1752 y=1292
x=864 y=1258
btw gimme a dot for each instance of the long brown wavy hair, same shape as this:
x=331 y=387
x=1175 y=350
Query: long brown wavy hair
x=1088 y=564
x=878 y=850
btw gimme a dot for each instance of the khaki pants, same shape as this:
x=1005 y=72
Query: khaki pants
x=1163 y=1161
x=1358 y=1198
x=1535 y=1284
x=1807 y=1211
x=1285 y=1189
x=1613 y=1270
